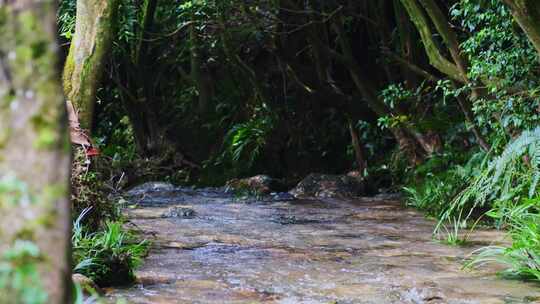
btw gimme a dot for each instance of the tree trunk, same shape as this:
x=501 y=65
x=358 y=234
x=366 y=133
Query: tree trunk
x=34 y=156
x=460 y=64
x=436 y=58
x=527 y=14
x=198 y=73
x=84 y=66
x=357 y=147
x=368 y=91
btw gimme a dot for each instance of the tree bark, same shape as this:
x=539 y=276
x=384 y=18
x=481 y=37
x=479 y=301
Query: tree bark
x=84 y=66
x=527 y=14
x=436 y=59
x=451 y=41
x=198 y=75
x=369 y=92
x=34 y=153
x=357 y=147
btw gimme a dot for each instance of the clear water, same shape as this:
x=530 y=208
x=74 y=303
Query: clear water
x=369 y=250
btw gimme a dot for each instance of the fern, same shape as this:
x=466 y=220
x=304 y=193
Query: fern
x=245 y=141
x=503 y=179
x=522 y=258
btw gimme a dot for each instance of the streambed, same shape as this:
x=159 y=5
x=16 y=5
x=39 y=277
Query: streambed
x=365 y=250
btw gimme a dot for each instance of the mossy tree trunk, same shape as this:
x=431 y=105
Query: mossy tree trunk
x=34 y=157
x=436 y=58
x=457 y=68
x=140 y=100
x=367 y=88
x=94 y=30
x=199 y=74
x=527 y=14
x=357 y=147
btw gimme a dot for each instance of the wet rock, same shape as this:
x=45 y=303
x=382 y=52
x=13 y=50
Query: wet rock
x=88 y=286
x=282 y=196
x=293 y=220
x=329 y=186
x=428 y=294
x=179 y=212
x=150 y=187
x=259 y=184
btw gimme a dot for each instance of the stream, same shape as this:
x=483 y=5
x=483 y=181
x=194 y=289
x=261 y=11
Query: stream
x=210 y=247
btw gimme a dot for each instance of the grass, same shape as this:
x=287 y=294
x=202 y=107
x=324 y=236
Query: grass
x=451 y=234
x=522 y=258
x=500 y=190
x=80 y=298
x=108 y=256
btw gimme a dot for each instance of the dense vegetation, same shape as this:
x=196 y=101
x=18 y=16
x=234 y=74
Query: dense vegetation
x=437 y=99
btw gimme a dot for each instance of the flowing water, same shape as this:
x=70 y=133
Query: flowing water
x=366 y=250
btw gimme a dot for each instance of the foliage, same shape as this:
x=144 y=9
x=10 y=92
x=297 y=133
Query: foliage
x=505 y=179
x=244 y=142
x=241 y=88
x=522 y=258
x=66 y=18
x=13 y=191
x=435 y=183
x=108 y=256
x=508 y=184
x=20 y=280
x=432 y=194
x=118 y=145
x=503 y=60
x=88 y=191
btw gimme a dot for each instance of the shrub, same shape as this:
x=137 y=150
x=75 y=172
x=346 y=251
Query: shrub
x=522 y=258
x=108 y=256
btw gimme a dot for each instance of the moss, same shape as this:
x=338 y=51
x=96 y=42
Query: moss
x=25 y=233
x=30 y=53
x=81 y=78
x=19 y=275
x=436 y=59
x=46 y=130
x=3 y=16
x=4 y=137
x=13 y=191
x=67 y=75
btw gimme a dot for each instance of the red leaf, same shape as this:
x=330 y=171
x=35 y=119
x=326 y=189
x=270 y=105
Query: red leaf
x=92 y=152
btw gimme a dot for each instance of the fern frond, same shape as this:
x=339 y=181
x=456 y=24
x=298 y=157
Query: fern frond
x=503 y=176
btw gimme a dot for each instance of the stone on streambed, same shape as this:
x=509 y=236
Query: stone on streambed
x=150 y=187
x=87 y=285
x=179 y=212
x=259 y=184
x=330 y=186
x=282 y=196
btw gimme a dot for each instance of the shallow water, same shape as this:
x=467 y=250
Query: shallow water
x=366 y=250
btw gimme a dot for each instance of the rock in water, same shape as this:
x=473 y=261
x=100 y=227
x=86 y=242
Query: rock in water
x=179 y=212
x=282 y=196
x=326 y=185
x=150 y=187
x=259 y=184
x=87 y=285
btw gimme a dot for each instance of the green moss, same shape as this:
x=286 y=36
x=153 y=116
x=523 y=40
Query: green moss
x=20 y=281
x=67 y=75
x=26 y=233
x=13 y=191
x=49 y=196
x=55 y=191
x=4 y=137
x=46 y=130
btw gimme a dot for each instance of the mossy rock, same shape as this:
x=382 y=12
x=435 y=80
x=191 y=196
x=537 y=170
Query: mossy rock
x=88 y=286
x=259 y=184
x=326 y=185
